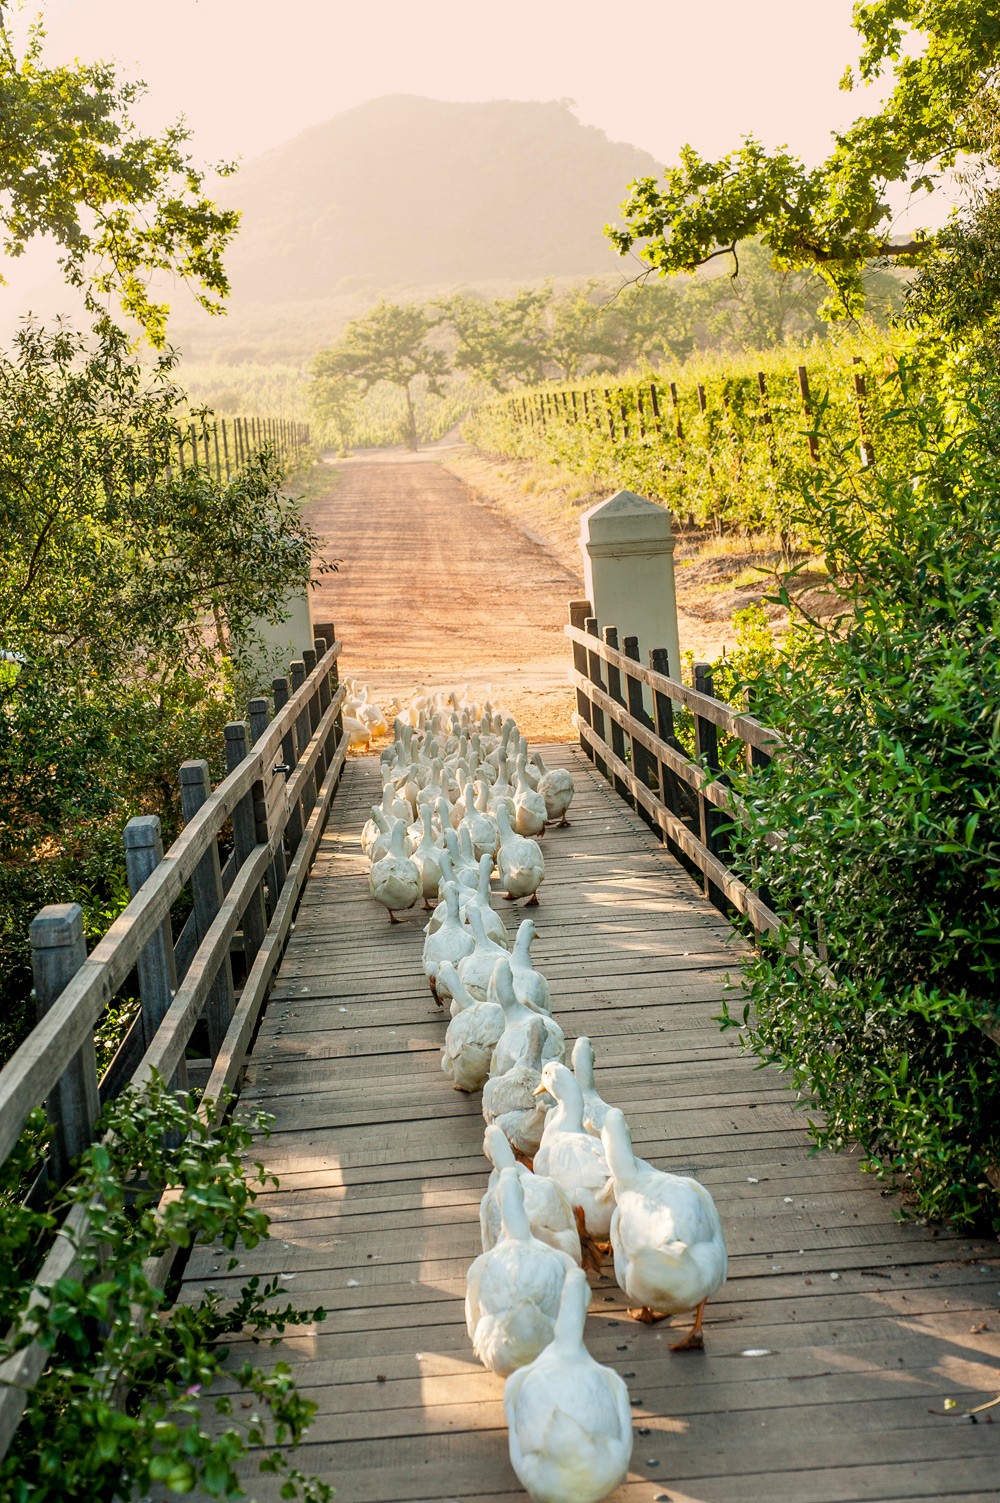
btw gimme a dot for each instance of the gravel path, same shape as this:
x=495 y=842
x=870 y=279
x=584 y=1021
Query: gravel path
x=436 y=589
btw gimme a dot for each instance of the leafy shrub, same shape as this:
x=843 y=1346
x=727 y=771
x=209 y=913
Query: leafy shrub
x=124 y=1401
x=878 y=834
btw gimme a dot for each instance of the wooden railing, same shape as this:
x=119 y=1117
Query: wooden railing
x=687 y=799
x=224 y=445
x=283 y=772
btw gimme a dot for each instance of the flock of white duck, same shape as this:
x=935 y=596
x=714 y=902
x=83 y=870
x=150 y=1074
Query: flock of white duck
x=460 y=796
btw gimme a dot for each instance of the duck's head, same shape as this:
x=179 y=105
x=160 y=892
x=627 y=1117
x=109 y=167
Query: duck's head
x=501 y=987
x=617 y=1141
x=559 y=1082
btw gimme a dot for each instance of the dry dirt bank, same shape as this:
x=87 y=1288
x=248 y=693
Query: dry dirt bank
x=715 y=575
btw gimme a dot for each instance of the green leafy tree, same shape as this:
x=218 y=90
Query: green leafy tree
x=391 y=343
x=494 y=338
x=941 y=58
x=121 y=205
x=121 y=577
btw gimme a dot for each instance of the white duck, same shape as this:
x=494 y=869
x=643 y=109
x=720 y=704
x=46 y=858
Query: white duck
x=514 y=1042
x=482 y=827
x=451 y=941
x=530 y=986
x=570 y=1419
x=426 y=857
x=476 y=970
x=529 y=807
x=471 y=1038
x=670 y=1254
x=511 y=1101
x=468 y=897
x=375 y=835
x=556 y=787
x=550 y=1214
x=394 y=881
x=513 y=1291
x=519 y=861
x=571 y=1156
x=479 y=898
x=595 y=1109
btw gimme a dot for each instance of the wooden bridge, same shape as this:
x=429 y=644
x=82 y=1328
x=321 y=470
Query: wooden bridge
x=840 y=1333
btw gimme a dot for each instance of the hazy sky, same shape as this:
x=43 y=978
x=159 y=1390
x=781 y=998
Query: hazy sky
x=249 y=74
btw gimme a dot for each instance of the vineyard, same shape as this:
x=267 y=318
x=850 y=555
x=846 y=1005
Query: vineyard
x=727 y=443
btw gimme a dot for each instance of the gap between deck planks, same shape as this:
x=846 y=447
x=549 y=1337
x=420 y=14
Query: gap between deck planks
x=864 y=1324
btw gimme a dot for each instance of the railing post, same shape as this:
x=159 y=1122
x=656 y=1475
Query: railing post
x=310 y=657
x=642 y=760
x=254 y=922
x=297 y=673
x=663 y=712
x=290 y=753
x=58 y=950
x=325 y=696
x=277 y=871
x=707 y=750
x=156 y=967
x=206 y=890
x=617 y=734
x=594 y=674
x=579 y=610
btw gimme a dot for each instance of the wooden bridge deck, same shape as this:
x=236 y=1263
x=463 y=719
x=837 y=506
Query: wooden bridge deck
x=837 y=1333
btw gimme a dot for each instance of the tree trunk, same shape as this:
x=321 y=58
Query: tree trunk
x=410 y=435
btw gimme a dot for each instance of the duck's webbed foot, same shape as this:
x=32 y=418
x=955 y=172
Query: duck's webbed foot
x=694 y=1341
x=589 y=1249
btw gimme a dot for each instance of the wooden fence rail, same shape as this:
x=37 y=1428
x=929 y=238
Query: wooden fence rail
x=224 y=444
x=275 y=798
x=688 y=799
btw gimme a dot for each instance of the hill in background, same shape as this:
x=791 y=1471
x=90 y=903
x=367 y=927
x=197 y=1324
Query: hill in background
x=410 y=198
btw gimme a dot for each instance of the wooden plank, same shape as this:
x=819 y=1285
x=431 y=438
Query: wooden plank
x=865 y=1322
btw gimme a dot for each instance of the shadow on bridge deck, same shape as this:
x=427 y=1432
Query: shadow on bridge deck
x=859 y=1325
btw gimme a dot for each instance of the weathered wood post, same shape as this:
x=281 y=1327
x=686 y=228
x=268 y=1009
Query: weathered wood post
x=663 y=707
x=303 y=734
x=594 y=674
x=58 y=950
x=206 y=889
x=254 y=922
x=579 y=610
x=156 y=967
x=706 y=740
x=628 y=561
x=271 y=789
x=617 y=734
x=290 y=752
x=642 y=761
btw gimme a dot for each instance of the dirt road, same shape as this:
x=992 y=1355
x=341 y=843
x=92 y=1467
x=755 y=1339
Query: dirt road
x=436 y=589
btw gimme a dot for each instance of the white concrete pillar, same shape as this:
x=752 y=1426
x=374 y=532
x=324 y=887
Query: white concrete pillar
x=279 y=644
x=628 y=565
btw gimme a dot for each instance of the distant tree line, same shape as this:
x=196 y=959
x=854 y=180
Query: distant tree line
x=548 y=333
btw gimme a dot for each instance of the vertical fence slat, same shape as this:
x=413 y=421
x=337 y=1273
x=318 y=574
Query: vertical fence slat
x=290 y=754
x=156 y=967
x=245 y=840
x=579 y=610
x=297 y=674
x=206 y=890
x=643 y=764
x=277 y=871
x=58 y=950
x=594 y=674
x=617 y=734
x=707 y=749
